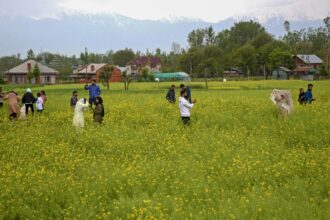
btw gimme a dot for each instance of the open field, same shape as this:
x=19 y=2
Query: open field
x=237 y=160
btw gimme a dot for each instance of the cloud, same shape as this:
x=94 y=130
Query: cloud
x=208 y=10
x=31 y=8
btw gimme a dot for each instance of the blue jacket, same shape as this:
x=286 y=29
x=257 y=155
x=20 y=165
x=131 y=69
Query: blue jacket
x=308 y=96
x=94 y=90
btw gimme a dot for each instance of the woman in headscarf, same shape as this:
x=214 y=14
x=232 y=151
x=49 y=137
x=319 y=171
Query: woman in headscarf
x=28 y=100
x=13 y=108
x=78 y=118
x=283 y=100
x=98 y=112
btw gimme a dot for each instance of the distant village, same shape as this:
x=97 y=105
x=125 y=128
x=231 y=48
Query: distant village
x=306 y=67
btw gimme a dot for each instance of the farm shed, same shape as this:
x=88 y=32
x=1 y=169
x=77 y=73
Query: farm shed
x=281 y=73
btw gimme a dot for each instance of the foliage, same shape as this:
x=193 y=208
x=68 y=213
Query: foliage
x=106 y=74
x=36 y=71
x=122 y=57
x=30 y=54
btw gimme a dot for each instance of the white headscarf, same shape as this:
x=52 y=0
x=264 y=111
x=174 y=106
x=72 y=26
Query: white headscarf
x=82 y=100
x=29 y=90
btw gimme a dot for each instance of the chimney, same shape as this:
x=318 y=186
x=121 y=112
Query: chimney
x=92 y=68
x=28 y=66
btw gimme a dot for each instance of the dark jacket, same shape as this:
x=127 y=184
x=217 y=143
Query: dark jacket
x=73 y=101
x=301 y=98
x=28 y=98
x=170 y=96
x=188 y=97
x=98 y=113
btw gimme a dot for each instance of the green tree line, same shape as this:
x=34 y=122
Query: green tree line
x=246 y=45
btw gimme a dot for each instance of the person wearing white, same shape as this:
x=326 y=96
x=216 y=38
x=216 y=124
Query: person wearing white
x=185 y=107
x=78 y=118
x=39 y=103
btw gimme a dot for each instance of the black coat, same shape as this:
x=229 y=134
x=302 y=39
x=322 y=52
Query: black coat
x=28 y=98
x=170 y=96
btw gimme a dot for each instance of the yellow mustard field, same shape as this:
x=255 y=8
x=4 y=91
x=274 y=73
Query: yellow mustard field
x=236 y=160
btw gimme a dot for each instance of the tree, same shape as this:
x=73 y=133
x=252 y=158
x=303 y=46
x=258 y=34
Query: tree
x=122 y=57
x=84 y=56
x=279 y=57
x=196 y=38
x=209 y=36
x=126 y=79
x=286 y=26
x=30 y=75
x=327 y=42
x=36 y=71
x=175 y=48
x=145 y=74
x=106 y=74
x=30 y=54
x=246 y=57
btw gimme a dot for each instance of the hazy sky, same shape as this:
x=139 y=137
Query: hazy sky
x=208 y=10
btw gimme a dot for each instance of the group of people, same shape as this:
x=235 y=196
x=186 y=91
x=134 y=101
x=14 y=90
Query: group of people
x=306 y=97
x=28 y=101
x=82 y=105
x=185 y=101
x=281 y=98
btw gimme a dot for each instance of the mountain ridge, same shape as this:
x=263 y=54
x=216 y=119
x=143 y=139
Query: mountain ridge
x=71 y=33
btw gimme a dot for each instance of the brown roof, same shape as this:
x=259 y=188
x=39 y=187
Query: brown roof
x=23 y=68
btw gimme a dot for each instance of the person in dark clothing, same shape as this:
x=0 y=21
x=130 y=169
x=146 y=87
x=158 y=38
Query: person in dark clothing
x=188 y=92
x=28 y=100
x=301 y=97
x=170 y=96
x=309 y=95
x=98 y=112
x=74 y=99
x=2 y=96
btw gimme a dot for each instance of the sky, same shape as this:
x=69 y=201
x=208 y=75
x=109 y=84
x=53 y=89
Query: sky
x=207 y=10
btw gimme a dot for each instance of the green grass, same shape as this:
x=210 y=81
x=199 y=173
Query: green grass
x=237 y=160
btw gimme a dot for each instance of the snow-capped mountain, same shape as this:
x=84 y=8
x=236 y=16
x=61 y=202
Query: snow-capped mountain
x=71 y=33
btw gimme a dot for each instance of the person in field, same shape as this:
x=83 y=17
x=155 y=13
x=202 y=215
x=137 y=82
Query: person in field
x=188 y=91
x=74 y=99
x=301 y=96
x=39 y=103
x=2 y=96
x=98 y=112
x=170 y=96
x=13 y=107
x=309 y=98
x=94 y=91
x=185 y=106
x=44 y=97
x=78 y=118
x=283 y=100
x=28 y=100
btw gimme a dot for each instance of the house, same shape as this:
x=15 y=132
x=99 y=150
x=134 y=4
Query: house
x=281 y=73
x=233 y=72
x=93 y=71
x=19 y=74
x=135 y=66
x=306 y=65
